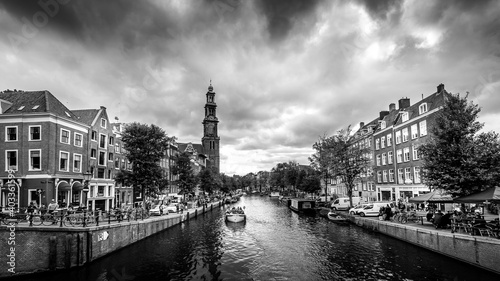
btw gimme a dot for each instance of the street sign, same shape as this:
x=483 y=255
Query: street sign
x=103 y=236
x=39 y=191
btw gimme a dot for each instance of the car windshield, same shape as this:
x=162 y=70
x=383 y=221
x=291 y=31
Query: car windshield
x=368 y=207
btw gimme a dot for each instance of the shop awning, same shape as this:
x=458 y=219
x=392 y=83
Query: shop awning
x=432 y=197
x=77 y=186
x=64 y=186
x=490 y=194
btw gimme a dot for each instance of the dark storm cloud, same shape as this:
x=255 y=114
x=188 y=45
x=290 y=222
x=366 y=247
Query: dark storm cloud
x=383 y=9
x=282 y=15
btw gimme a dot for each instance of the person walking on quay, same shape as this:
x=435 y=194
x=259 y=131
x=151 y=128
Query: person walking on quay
x=30 y=210
x=52 y=206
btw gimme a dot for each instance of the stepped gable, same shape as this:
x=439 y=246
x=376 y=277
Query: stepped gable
x=188 y=146
x=35 y=101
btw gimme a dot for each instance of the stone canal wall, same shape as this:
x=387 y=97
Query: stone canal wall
x=479 y=251
x=28 y=249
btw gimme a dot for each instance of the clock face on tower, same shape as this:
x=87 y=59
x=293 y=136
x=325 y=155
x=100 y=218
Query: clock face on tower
x=210 y=129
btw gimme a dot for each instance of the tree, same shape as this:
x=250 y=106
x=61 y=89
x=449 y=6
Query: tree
x=208 y=180
x=187 y=179
x=456 y=158
x=345 y=159
x=319 y=162
x=291 y=174
x=145 y=146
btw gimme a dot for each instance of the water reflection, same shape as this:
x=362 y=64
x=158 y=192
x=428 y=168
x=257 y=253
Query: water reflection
x=273 y=244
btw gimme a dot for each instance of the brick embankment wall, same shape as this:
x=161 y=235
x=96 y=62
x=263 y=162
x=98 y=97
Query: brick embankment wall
x=25 y=249
x=476 y=250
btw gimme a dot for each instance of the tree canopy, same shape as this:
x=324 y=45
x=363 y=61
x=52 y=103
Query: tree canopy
x=457 y=158
x=187 y=179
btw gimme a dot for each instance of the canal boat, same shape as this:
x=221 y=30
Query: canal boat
x=303 y=205
x=336 y=218
x=235 y=215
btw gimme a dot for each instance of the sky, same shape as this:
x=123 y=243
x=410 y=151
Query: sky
x=285 y=72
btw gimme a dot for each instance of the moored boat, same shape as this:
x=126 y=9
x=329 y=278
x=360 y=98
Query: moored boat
x=336 y=218
x=303 y=205
x=236 y=215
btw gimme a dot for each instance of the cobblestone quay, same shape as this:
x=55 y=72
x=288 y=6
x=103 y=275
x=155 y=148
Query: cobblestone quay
x=28 y=249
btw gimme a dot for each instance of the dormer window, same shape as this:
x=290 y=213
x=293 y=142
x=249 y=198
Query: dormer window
x=35 y=107
x=382 y=124
x=103 y=123
x=405 y=116
x=422 y=108
x=21 y=107
x=69 y=115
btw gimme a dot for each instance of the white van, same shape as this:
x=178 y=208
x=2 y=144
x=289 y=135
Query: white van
x=343 y=203
x=373 y=209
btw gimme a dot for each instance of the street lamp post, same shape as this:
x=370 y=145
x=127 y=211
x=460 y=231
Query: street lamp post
x=86 y=178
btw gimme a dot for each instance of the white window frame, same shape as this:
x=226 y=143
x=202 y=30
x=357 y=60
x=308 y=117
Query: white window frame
x=378 y=159
x=30 y=166
x=389 y=140
x=415 y=154
x=423 y=128
x=398 y=137
x=405 y=117
x=379 y=176
x=391 y=175
x=406 y=154
x=96 y=135
x=416 y=175
x=110 y=155
x=399 y=156
x=104 y=122
x=414 y=131
x=400 y=176
x=98 y=158
x=384 y=158
x=384 y=175
x=390 y=157
x=7 y=135
x=17 y=160
x=81 y=138
x=408 y=174
x=92 y=157
x=61 y=137
x=79 y=170
x=105 y=141
x=382 y=125
x=111 y=141
x=405 y=134
x=29 y=132
x=60 y=159
x=422 y=108
x=377 y=144
x=382 y=142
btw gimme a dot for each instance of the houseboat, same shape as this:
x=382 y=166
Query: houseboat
x=303 y=205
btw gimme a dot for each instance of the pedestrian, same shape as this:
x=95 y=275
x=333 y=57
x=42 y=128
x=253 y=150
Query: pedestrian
x=52 y=206
x=31 y=208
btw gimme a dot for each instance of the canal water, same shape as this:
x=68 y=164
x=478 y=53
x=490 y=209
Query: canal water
x=274 y=244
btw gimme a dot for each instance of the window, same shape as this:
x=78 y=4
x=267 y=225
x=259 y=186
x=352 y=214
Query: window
x=414 y=131
x=422 y=108
x=100 y=190
x=416 y=156
x=35 y=133
x=78 y=140
x=398 y=137
x=406 y=154
x=94 y=136
x=93 y=153
x=382 y=142
x=405 y=116
x=11 y=160
x=35 y=159
x=391 y=175
x=64 y=136
x=382 y=125
x=408 y=175
x=110 y=157
x=379 y=176
x=423 y=128
x=11 y=133
x=378 y=159
x=63 y=161
x=405 y=134
x=111 y=141
x=369 y=144
x=416 y=174
x=384 y=176
x=77 y=163
x=400 y=176
x=389 y=139
x=102 y=158
x=399 y=156
x=117 y=148
x=117 y=163
x=389 y=157
x=377 y=144
x=102 y=141
x=384 y=158
x=103 y=123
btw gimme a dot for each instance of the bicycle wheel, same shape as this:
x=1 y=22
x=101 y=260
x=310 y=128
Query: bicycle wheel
x=48 y=219
x=37 y=220
x=404 y=220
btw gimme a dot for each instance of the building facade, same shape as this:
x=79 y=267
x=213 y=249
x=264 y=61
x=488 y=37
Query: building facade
x=211 y=140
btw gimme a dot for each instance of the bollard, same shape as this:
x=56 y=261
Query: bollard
x=97 y=220
x=61 y=220
x=31 y=219
x=109 y=217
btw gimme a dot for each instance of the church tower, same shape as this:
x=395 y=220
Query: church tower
x=210 y=140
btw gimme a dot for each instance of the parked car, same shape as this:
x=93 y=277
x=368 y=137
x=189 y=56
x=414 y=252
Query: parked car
x=355 y=210
x=344 y=203
x=373 y=209
x=157 y=210
x=172 y=208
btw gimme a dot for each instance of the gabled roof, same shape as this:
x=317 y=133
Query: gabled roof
x=196 y=146
x=433 y=101
x=86 y=116
x=24 y=102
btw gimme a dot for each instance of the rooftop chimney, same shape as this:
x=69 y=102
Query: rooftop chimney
x=392 y=106
x=440 y=88
x=383 y=114
x=404 y=103
x=361 y=124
